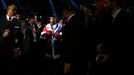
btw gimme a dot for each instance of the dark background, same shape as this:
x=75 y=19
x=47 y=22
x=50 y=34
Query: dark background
x=43 y=7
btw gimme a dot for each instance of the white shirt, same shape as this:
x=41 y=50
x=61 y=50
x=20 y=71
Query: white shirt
x=116 y=13
x=70 y=17
x=52 y=27
x=49 y=27
x=8 y=17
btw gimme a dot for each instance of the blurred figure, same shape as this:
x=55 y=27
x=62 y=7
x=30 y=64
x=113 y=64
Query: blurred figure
x=52 y=33
x=29 y=29
x=89 y=36
x=60 y=26
x=114 y=49
x=75 y=62
x=18 y=16
x=10 y=41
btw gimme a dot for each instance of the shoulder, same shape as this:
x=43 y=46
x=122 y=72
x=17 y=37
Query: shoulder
x=125 y=13
x=74 y=18
x=48 y=25
x=3 y=18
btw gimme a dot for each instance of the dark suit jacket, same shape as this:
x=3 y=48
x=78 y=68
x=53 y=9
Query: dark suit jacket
x=117 y=38
x=29 y=37
x=118 y=41
x=8 y=44
x=73 y=40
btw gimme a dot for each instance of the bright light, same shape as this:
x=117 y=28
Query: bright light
x=4 y=4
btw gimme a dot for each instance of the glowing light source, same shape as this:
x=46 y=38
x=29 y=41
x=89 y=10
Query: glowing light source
x=4 y=4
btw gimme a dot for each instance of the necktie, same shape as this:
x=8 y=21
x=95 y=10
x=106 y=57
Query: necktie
x=10 y=19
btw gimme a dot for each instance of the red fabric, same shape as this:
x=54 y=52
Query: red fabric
x=100 y=4
x=44 y=30
x=49 y=32
x=57 y=35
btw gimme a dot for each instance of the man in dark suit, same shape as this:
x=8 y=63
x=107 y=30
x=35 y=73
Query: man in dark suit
x=10 y=36
x=73 y=43
x=30 y=40
x=116 y=54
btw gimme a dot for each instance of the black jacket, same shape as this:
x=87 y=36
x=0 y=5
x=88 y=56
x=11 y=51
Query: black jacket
x=9 y=43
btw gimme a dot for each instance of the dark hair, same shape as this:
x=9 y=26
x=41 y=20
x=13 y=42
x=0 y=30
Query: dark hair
x=31 y=15
x=51 y=16
x=69 y=7
x=119 y=2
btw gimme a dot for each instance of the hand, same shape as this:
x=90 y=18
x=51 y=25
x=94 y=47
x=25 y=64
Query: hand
x=43 y=36
x=6 y=33
x=101 y=58
x=17 y=52
x=99 y=47
x=66 y=67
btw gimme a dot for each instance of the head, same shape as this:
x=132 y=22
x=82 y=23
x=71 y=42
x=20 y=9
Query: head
x=61 y=22
x=109 y=5
x=68 y=10
x=12 y=9
x=39 y=22
x=52 y=20
x=18 y=16
x=31 y=18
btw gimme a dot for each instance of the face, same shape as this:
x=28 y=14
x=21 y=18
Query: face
x=18 y=17
x=105 y=6
x=65 y=14
x=107 y=3
x=32 y=20
x=52 y=20
x=12 y=11
x=60 y=22
x=108 y=6
x=39 y=23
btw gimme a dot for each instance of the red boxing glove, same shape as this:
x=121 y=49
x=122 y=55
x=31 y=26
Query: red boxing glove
x=49 y=33
x=57 y=35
